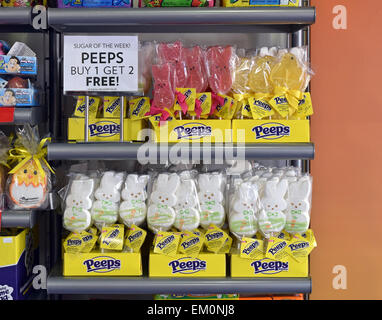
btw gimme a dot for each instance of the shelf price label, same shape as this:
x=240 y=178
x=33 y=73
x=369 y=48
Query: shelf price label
x=101 y=63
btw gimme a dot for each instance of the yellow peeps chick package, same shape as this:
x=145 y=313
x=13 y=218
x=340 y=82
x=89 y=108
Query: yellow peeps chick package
x=190 y=95
x=112 y=107
x=204 y=99
x=251 y=249
x=73 y=243
x=215 y=238
x=277 y=249
x=191 y=244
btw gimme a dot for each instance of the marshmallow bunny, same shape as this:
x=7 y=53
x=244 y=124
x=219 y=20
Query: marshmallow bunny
x=105 y=208
x=187 y=217
x=210 y=198
x=161 y=214
x=77 y=217
x=271 y=217
x=133 y=209
x=298 y=210
x=243 y=221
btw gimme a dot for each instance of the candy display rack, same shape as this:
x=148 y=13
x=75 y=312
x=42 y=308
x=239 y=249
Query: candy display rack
x=246 y=27
x=285 y=27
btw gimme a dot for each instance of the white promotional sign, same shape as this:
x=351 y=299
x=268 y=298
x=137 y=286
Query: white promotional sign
x=100 y=63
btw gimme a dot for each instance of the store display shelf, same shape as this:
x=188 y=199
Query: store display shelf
x=16 y=19
x=154 y=152
x=231 y=19
x=18 y=219
x=58 y=284
x=32 y=115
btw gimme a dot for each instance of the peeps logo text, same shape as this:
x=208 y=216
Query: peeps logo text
x=267 y=266
x=280 y=100
x=82 y=107
x=190 y=243
x=73 y=243
x=262 y=105
x=271 y=131
x=138 y=107
x=214 y=236
x=277 y=248
x=250 y=248
x=104 y=129
x=112 y=235
x=187 y=265
x=102 y=264
x=298 y=246
x=113 y=106
x=193 y=131
x=166 y=241
x=135 y=236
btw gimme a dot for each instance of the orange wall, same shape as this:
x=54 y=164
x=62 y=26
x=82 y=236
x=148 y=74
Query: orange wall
x=347 y=132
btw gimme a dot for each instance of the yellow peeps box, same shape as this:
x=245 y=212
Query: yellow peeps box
x=198 y=131
x=268 y=268
x=207 y=264
x=98 y=264
x=260 y=3
x=270 y=131
x=105 y=129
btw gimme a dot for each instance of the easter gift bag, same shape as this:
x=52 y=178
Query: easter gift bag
x=29 y=182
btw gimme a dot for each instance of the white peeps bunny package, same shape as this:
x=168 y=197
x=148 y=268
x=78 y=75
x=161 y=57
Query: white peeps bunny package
x=107 y=196
x=244 y=209
x=272 y=217
x=211 y=197
x=133 y=208
x=298 y=205
x=187 y=208
x=78 y=203
x=162 y=201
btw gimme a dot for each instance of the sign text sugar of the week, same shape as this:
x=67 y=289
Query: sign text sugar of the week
x=100 y=63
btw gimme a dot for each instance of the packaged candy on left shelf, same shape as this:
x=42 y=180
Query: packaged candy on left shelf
x=4 y=149
x=93 y=3
x=29 y=181
x=176 y=3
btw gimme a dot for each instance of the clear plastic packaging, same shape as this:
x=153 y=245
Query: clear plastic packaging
x=243 y=66
x=164 y=85
x=29 y=182
x=259 y=75
x=272 y=214
x=291 y=70
x=133 y=209
x=162 y=201
x=299 y=205
x=195 y=64
x=220 y=64
x=78 y=202
x=187 y=208
x=145 y=61
x=243 y=213
x=172 y=53
x=211 y=187
x=105 y=208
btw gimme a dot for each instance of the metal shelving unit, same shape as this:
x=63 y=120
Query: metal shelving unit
x=18 y=219
x=57 y=284
x=272 y=22
x=231 y=19
x=227 y=151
